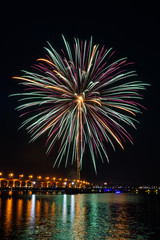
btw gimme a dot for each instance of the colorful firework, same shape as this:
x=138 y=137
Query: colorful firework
x=81 y=98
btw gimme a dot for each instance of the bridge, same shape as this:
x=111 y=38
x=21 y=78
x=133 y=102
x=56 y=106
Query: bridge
x=39 y=182
x=20 y=185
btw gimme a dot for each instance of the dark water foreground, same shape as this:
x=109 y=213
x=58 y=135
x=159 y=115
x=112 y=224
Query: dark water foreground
x=81 y=216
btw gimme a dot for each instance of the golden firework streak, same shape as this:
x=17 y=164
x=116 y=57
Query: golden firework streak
x=95 y=101
x=120 y=108
x=46 y=60
x=57 y=72
x=44 y=85
x=77 y=146
x=108 y=129
x=90 y=61
x=54 y=120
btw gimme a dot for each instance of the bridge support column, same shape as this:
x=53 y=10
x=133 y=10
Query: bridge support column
x=7 y=183
x=13 y=183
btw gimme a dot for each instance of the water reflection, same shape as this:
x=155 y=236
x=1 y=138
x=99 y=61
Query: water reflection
x=38 y=210
x=93 y=211
x=0 y=206
x=72 y=208
x=64 y=208
x=19 y=210
x=8 y=216
x=83 y=216
x=32 y=212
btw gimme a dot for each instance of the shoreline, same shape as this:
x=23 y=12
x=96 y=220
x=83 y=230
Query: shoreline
x=19 y=192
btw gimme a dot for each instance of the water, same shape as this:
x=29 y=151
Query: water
x=83 y=216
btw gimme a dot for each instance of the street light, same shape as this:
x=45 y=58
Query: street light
x=0 y=174
x=21 y=176
x=30 y=176
x=11 y=175
x=39 y=177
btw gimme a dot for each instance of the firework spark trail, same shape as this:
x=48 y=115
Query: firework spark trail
x=82 y=98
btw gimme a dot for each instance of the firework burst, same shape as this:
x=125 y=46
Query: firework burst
x=80 y=97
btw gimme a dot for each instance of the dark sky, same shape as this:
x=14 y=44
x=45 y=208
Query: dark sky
x=133 y=31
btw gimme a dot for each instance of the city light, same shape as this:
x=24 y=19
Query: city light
x=63 y=185
x=11 y=175
x=29 y=181
x=117 y=192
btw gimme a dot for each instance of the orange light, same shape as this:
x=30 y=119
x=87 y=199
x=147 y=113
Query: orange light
x=39 y=177
x=80 y=99
x=0 y=173
x=53 y=178
x=11 y=175
x=47 y=178
x=30 y=176
x=21 y=175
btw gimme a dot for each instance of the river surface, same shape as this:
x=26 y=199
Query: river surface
x=82 y=216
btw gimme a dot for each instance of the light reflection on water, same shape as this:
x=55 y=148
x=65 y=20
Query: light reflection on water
x=83 y=216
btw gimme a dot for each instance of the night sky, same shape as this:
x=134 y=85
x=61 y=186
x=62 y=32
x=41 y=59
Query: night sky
x=133 y=31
